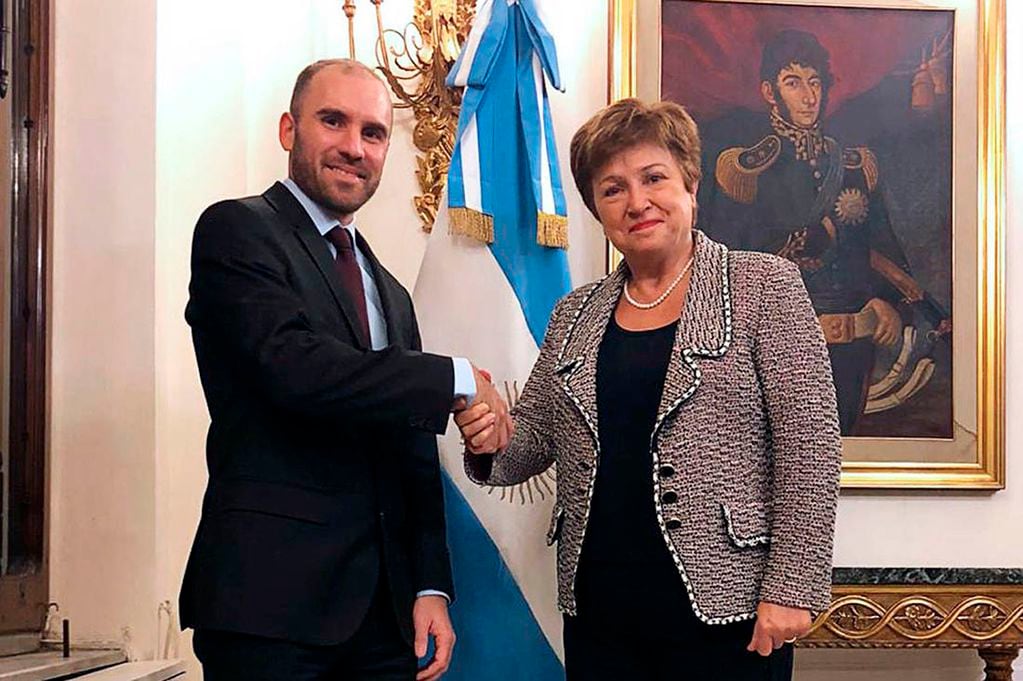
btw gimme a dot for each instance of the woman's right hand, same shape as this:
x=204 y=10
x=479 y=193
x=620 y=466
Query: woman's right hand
x=481 y=429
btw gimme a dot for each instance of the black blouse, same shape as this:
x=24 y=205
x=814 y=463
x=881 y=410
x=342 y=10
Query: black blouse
x=631 y=367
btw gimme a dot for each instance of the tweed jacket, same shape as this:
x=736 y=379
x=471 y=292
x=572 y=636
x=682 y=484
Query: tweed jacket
x=745 y=451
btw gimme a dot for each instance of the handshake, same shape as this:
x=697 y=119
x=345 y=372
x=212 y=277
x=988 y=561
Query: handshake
x=486 y=424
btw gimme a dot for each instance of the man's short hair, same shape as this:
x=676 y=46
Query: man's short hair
x=306 y=76
x=795 y=47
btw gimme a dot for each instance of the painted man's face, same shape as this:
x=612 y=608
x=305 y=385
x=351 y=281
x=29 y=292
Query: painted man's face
x=800 y=90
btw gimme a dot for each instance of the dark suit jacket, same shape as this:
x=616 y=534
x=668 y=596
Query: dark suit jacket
x=323 y=467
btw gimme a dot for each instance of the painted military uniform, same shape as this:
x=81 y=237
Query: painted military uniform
x=801 y=195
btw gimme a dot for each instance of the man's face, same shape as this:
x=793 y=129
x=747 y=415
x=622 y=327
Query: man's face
x=338 y=139
x=800 y=91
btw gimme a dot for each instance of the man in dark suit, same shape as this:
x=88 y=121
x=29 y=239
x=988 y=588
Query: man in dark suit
x=321 y=550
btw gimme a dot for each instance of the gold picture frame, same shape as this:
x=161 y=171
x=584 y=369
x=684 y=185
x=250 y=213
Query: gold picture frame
x=979 y=259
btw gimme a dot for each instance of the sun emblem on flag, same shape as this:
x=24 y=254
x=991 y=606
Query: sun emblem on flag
x=851 y=207
x=537 y=488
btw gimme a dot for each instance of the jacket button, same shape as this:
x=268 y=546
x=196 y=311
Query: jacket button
x=584 y=465
x=669 y=498
x=674 y=524
x=666 y=471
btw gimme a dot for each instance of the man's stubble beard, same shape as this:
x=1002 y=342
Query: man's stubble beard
x=303 y=172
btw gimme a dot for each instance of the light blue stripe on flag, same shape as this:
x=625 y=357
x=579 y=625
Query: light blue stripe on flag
x=498 y=637
x=542 y=41
x=505 y=613
x=538 y=275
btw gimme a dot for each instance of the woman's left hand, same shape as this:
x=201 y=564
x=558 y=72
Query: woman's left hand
x=777 y=625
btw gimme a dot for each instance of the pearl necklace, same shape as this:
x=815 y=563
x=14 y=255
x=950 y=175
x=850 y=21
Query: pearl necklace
x=664 y=296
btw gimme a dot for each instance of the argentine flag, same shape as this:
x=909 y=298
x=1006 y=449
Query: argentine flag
x=488 y=296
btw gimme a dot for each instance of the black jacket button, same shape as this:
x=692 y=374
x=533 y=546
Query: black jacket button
x=674 y=524
x=666 y=471
x=669 y=498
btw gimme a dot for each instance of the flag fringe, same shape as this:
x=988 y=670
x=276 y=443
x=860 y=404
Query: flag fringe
x=551 y=230
x=471 y=223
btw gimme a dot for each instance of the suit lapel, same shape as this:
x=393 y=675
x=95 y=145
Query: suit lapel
x=288 y=207
x=705 y=328
x=577 y=362
x=704 y=331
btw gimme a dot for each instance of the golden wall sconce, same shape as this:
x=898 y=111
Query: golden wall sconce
x=415 y=62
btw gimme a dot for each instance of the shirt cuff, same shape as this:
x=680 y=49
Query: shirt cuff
x=433 y=592
x=465 y=381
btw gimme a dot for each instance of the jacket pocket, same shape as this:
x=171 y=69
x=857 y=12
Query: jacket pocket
x=272 y=499
x=554 y=530
x=747 y=524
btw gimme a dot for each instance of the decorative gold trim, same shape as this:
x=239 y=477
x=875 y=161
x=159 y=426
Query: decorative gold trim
x=551 y=230
x=471 y=223
x=919 y=618
x=991 y=240
x=988 y=470
x=621 y=63
x=621 y=69
x=415 y=63
x=989 y=616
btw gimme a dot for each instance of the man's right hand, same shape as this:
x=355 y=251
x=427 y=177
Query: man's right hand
x=486 y=425
x=889 y=323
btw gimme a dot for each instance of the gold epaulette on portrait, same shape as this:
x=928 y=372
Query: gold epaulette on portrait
x=862 y=158
x=739 y=168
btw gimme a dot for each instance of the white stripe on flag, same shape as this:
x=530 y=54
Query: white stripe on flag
x=546 y=189
x=467 y=308
x=472 y=43
x=471 y=173
x=540 y=7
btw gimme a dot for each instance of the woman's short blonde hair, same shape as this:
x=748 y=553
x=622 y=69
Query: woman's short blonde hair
x=625 y=124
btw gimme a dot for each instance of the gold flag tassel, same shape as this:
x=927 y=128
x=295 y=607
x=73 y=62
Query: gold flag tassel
x=551 y=230
x=471 y=223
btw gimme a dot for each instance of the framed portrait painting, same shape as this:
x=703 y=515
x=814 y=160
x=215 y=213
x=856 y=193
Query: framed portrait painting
x=862 y=140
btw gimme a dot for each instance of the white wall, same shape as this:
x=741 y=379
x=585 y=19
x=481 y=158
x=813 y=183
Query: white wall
x=102 y=428
x=942 y=529
x=158 y=114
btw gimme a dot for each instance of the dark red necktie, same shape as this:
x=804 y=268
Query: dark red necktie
x=347 y=266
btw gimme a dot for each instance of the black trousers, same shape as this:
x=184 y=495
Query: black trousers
x=377 y=652
x=636 y=622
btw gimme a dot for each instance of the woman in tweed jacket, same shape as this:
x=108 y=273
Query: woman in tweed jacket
x=687 y=400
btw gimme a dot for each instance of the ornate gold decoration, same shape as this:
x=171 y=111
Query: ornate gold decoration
x=628 y=38
x=855 y=618
x=851 y=207
x=985 y=617
x=904 y=616
x=415 y=62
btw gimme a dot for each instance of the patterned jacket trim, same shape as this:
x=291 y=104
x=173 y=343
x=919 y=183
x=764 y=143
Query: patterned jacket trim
x=567 y=370
x=705 y=331
x=554 y=529
x=742 y=542
x=724 y=326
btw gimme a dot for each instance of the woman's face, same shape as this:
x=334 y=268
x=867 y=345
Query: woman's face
x=643 y=203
